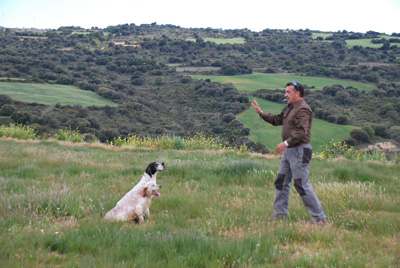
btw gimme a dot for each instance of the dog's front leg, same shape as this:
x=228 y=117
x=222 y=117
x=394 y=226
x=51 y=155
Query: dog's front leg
x=147 y=212
x=140 y=218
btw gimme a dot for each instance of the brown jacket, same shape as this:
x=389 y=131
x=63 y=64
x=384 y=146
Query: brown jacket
x=296 y=119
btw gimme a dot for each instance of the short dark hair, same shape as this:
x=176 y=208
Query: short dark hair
x=298 y=87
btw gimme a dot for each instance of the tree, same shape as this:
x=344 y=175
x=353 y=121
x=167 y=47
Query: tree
x=21 y=117
x=5 y=99
x=381 y=131
x=342 y=120
x=331 y=119
x=227 y=118
x=369 y=130
x=107 y=135
x=360 y=135
x=7 y=110
x=343 y=97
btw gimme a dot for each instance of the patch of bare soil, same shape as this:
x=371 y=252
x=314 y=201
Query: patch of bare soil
x=374 y=64
x=383 y=146
x=196 y=69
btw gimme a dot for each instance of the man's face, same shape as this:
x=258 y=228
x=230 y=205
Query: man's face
x=291 y=94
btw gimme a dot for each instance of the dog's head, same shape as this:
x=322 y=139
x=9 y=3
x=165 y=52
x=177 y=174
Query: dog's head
x=151 y=189
x=154 y=167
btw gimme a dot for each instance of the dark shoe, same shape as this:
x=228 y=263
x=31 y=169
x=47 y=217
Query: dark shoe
x=323 y=222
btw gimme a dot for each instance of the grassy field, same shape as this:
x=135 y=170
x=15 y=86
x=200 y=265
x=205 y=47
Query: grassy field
x=356 y=42
x=323 y=35
x=211 y=212
x=219 y=41
x=52 y=94
x=270 y=136
x=252 y=82
x=367 y=42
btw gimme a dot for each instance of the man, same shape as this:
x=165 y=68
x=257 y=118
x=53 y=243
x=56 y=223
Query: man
x=296 y=119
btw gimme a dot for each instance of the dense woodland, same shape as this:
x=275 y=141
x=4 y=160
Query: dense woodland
x=135 y=67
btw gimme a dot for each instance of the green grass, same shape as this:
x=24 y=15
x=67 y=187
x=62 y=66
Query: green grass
x=219 y=41
x=252 y=82
x=368 y=43
x=323 y=35
x=52 y=94
x=363 y=43
x=211 y=212
x=356 y=42
x=322 y=131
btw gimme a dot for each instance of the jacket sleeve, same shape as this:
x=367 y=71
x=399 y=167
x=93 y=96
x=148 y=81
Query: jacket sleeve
x=302 y=122
x=275 y=120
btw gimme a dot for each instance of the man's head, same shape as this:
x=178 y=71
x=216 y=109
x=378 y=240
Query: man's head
x=294 y=92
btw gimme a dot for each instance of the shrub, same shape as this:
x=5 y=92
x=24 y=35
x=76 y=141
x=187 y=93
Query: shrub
x=138 y=81
x=21 y=117
x=360 y=135
x=107 y=135
x=332 y=90
x=4 y=99
x=343 y=97
x=342 y=120
x=69 y=135
x=369 y=130
x=81 y=125
x=7 y=110
x=350 y=142
x=339 y=149
x=381 y=131
x=227 y=118
x=186 y=80
x=331 y=119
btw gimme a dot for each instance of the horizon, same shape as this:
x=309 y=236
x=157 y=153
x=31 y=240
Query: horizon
x=354 y=16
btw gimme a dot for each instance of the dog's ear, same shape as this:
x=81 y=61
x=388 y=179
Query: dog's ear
x=144 y=192
x=151 y=169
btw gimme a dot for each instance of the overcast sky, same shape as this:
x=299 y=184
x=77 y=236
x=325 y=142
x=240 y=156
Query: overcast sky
x=256 y=15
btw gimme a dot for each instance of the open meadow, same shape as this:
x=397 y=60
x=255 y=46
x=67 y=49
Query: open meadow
x=211 y=212
x=248 y=83
x=52 y=94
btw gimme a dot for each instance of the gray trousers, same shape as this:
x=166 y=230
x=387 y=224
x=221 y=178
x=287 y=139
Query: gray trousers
x=294 y=165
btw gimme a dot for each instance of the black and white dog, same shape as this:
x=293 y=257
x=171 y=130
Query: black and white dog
x=151 y=174
x=135 y=204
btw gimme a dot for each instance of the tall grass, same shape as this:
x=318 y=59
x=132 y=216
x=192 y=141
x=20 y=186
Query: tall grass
x=211 y=212
x=196 y=142
x=339 y=149
x=18 y=131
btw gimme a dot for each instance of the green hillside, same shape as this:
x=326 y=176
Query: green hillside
x=52 y=94
x=211 y=212
x=260 y=131
x=322 y=131
x=252 y=82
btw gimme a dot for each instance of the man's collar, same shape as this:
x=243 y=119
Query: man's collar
x=297 y=103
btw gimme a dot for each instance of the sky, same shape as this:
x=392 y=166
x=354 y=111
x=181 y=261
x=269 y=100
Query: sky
x=256 y=15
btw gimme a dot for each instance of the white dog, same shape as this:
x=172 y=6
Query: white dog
x=136 y=203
